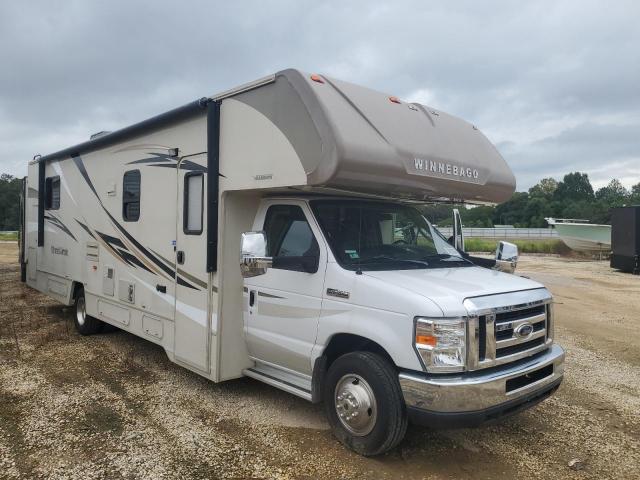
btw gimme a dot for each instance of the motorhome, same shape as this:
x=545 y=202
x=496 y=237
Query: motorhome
x=274 y=231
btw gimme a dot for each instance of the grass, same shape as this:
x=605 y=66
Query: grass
x=524 y=246
x=9 y=236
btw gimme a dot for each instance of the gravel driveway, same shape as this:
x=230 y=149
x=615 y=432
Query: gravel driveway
x=113 y=406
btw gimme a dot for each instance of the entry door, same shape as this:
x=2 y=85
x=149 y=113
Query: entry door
x=192 y=323
x=284 y=304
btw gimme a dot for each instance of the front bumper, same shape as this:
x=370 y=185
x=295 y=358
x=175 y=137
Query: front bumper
x=473 y=398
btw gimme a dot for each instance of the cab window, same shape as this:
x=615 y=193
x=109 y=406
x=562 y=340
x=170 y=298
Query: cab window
x=290 y=241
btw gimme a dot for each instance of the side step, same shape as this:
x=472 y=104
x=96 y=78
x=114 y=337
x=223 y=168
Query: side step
x=274 y=381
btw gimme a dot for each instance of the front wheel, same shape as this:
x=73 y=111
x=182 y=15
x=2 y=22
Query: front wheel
x=364 y=403
x=85 y=324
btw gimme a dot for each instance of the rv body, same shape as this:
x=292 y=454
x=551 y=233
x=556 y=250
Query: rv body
x=141 y=228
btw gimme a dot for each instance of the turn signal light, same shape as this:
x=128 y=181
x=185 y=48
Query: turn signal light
x=426 y=340
x=317 y=78
x=394 y=100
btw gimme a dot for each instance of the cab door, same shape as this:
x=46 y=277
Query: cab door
x=284 y=304
x=192 y=321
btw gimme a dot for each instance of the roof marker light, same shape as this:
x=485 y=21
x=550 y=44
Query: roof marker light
x=394 y=99
x=317 y=78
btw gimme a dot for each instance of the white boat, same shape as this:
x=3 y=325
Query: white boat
x=581 y=235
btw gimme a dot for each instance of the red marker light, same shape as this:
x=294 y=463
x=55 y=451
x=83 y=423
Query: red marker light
x=317 y=78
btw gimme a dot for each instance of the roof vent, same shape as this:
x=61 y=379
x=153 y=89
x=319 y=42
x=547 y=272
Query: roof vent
x=99 y=134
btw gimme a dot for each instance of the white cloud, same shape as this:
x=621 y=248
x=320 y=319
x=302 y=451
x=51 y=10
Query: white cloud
x=553 y=84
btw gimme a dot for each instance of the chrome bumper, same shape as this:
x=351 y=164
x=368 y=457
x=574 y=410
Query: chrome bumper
x=474 y=393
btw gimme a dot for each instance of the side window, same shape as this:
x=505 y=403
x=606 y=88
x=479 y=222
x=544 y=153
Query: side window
x=290 y=240
x=131 y=196
x=193 y=203
x=52 y=193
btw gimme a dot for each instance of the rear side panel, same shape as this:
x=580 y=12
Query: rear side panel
x=124 y=262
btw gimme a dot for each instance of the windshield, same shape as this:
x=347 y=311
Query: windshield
x=367 y=235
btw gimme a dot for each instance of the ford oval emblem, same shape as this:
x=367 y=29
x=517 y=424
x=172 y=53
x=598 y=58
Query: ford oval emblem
x=524 y=330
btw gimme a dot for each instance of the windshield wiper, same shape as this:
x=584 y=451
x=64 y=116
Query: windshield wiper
x=447 y=256
x=391 y=259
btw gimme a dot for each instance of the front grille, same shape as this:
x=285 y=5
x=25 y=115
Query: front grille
x=521 y=347
x=517 y=314
x=506 y=334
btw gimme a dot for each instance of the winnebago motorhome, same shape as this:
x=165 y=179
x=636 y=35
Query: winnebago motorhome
x=271 y=231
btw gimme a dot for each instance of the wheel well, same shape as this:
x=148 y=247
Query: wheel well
x=339 y=345
x=346 y=342
x=77 y=288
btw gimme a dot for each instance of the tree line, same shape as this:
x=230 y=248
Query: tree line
x=9 y=202
x=572 y=197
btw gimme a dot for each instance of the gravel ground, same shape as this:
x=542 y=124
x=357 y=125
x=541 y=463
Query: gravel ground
x=113 y=406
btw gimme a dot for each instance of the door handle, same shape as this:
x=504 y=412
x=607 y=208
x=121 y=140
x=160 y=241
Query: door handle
x=252 y=298
x=180 y=257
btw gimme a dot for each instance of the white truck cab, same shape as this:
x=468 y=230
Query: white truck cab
x=421 y=332
x=274 y=231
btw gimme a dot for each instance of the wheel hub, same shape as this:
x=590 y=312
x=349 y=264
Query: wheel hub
x=355 y=404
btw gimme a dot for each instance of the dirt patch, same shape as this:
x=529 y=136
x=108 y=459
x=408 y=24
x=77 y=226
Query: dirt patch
x=113 y=406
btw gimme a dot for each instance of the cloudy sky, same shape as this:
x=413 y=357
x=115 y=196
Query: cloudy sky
x=555 y=85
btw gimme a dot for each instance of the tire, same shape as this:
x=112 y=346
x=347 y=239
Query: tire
x=85 y=324
x=365 y=383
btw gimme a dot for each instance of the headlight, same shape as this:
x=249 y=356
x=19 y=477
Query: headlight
x=441 y=343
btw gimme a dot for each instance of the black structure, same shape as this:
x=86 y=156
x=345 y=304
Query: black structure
x=625 y=239
x=23 y=229
x=213 y=182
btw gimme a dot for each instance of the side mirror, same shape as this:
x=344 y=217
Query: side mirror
x=458 y=236
x=253 y=254
x=506 y=257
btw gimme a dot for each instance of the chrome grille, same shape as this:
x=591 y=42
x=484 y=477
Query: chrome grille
x=502 y=332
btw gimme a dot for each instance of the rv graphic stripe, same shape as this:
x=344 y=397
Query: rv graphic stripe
x=186 y=275
x=120 y=249
x=166 y=161
x=83 y=171
x=167 y=270
x=86 y=229
x=58 y=223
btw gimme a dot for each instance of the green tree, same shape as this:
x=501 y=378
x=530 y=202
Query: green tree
x=544 y=188
x=512 y=212
x=574 y=187
x=613 y=194
x=634 y=195
x=9 y=202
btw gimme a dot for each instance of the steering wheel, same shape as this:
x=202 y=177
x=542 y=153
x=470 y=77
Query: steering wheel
x=401 y=242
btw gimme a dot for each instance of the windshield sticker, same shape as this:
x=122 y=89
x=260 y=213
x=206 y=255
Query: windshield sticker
x=352 y=253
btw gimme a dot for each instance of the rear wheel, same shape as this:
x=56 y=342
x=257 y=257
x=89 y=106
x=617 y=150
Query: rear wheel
x=85 y=324
x=364 y=403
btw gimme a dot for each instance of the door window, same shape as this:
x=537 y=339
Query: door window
x=290 y=240
x=193 y=202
